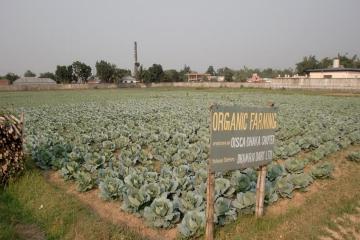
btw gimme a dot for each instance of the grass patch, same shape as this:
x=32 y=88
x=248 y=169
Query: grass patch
x=31 y=200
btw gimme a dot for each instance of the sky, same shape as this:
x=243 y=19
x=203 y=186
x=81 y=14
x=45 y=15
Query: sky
x=40 y=34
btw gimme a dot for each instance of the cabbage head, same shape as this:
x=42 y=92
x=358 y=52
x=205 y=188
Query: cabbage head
x=322 y=170
x=189 y=201
x=193 y=224
x=240 y=181
x=224 y=212
x=161 y=213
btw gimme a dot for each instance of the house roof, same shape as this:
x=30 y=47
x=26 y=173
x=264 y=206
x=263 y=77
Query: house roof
x=34 y=80
x=333 y=70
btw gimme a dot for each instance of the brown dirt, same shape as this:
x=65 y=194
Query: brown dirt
x=111 y=210
x=29 y=232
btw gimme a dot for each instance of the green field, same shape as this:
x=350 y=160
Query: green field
x=147 y=149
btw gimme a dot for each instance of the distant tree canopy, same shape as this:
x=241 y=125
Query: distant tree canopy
x=211 y=71
x=154 y=73
x=81 y=71
x=47 y=75
x=11 y=77
x=310 y=62
x=183 y=72
x=105 y=71
x=64 y=74
x=109 y=73
x=171 y=75
x=29 y=73
x=227 y=73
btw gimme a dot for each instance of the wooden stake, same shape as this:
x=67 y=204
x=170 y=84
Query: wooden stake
x=260 y=191
x=257 y=192
x=209 y=232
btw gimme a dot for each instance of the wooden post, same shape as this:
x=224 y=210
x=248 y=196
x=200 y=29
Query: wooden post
x=260 y=186
x=209 y=232
x=260 y=192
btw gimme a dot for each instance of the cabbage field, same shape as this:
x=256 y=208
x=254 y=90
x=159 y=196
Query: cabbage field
x=148 y=150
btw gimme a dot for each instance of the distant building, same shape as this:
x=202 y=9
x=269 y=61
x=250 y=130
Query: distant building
x=4 y=82
x=128 y=79
x=336 y=71
x=33 y=80
x=202 y=77
x=255 y=78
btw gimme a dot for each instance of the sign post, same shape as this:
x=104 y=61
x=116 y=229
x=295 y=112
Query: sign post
x=241 y=137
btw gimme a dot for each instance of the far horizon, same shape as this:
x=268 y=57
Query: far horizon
x=257 y=34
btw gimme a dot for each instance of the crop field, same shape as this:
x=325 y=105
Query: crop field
x=147 y=150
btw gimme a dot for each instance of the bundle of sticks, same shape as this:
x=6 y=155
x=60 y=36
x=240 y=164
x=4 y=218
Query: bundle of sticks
x=11 y=147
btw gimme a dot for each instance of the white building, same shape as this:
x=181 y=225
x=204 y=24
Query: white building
x=336 y=71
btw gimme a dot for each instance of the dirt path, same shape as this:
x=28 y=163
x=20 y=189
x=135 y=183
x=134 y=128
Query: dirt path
x=111 y=210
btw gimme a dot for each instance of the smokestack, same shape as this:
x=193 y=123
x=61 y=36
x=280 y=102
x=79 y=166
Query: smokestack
x=136 y=64
x=336 y=63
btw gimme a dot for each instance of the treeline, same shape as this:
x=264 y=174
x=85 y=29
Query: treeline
x=311 y=62
x=107 y=72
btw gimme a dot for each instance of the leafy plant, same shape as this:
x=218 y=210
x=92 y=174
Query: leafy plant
x=135 y=200
x=294 y=165
x=284 y=187
x=223 y=188
x=322 y=170
x=84 y=181
x=161 y=213
x=275 y=171
x=112 y=188
x=189 y=201
x=193 y=224
x=354 y=156
x=244 y=202
x=301 y=180
x=240 y=181
x=224 y=212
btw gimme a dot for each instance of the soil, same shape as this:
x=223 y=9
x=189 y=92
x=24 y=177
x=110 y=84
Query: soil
x=111 y=210
x=29 y=232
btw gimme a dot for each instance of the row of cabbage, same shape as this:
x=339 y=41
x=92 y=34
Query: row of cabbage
x=150 y=154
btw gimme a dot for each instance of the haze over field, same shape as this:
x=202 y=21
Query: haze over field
x=41 y=34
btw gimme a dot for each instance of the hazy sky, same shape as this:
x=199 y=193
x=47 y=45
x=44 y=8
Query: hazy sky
x=40 y=34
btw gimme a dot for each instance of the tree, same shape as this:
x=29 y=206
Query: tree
x=81 y=71
x=171 y=76
x=64 y=74
x=227 y=73
x=309 y=62
x=47 y=75
x=119 y=74
x=325 y=63
x=105 y=71
x=349 y=62
x=154 y=74
x=211 y=71
x=183 y=72
x=29 y=73
x=11 y=77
